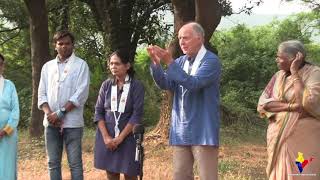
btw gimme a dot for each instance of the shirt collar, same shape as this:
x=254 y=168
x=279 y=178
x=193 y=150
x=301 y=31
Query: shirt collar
x=200 y=53
x=191 y=59
x=65 y=61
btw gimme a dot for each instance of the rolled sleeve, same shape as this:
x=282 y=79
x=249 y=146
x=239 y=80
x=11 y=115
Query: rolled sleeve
x=42 y=89
x=160 y=77
x=80 y=96
x=138 y=101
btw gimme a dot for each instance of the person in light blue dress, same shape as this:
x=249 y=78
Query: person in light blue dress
x=9 y=118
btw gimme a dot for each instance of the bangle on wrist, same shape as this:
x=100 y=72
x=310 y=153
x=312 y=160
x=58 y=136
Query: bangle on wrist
x=289 y=107
x=296 y=79
x=294 y=73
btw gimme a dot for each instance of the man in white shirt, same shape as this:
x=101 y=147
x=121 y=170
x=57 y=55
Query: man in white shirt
x=63 y=91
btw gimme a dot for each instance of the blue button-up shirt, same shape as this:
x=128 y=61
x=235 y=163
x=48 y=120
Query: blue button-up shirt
x=195 y=116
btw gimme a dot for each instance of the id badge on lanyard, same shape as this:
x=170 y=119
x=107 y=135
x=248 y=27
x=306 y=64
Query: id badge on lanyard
x=122 y=103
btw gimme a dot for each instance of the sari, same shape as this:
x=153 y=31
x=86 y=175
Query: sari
x=293 y=137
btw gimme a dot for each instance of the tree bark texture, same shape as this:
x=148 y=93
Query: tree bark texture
x=39 y=37
x=64 y=25
x=208 y=13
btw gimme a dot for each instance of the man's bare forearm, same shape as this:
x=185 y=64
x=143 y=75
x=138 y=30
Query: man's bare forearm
x=45 y=108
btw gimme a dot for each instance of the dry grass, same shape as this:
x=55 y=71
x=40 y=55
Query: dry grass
x=237 y=160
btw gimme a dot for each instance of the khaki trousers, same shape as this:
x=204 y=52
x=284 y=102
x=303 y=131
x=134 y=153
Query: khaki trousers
x=206 y=158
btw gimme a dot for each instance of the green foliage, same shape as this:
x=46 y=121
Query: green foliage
x=96 y=79
x=247 y=54
x=90 y=47
x=25 y=97
x=152 y=93
x=248 y=60
x=18 y=69
x=155 y=29
x=14 y=13
x=314 y=53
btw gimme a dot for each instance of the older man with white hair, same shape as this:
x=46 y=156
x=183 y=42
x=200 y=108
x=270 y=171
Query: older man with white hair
x=194 y=79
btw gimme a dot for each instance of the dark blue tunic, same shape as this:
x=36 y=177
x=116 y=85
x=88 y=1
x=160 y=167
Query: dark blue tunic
x=122 y=159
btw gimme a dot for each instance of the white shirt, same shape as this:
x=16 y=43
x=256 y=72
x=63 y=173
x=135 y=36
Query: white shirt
x=61 y=82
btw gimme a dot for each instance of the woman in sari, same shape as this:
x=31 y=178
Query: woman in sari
x=9 y=117
x=291 y=102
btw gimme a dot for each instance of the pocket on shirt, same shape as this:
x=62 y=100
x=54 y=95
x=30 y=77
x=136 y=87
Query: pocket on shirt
x=71 y=79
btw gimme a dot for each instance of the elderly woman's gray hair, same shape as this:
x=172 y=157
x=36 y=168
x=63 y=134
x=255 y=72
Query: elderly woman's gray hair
x=291 y=48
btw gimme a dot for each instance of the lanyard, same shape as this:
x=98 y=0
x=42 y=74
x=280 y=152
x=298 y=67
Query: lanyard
x=194 y=68
x=122 y=103
x=66 y=69
x=196 y=62
x=59 y=78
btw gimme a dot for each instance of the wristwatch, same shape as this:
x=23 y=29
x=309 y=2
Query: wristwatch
x=63 y=110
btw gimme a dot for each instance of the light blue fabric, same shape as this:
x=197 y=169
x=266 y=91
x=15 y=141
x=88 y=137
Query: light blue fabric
x=9 y=115
x=198 y=122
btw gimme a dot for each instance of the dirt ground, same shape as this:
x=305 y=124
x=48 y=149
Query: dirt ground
x=236 y=161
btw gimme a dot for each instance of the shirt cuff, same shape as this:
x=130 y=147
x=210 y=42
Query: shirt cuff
x=8 y=129
x=74 y=101
x=40 y=103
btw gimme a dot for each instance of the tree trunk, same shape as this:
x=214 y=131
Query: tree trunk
x=184 y=11
x=207 y=13
x=162 y=129
x=39 y=37
x=122 y=22
x=65 y=15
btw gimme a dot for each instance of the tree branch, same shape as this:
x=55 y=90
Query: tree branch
x=99 y=9
x=12 y=37
x=248 y=8
x=158 y=3
x=143 y=19
x=13 y=29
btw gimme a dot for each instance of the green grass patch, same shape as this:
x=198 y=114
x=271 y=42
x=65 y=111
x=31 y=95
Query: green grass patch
x=237 y=134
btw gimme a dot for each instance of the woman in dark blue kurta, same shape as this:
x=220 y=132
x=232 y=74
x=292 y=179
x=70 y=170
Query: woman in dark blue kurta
x=116 y=154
